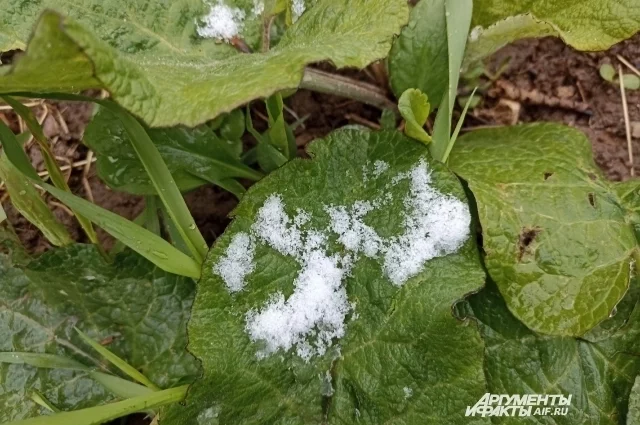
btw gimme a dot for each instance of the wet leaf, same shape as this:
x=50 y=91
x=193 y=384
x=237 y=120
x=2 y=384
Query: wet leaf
x=153 y=62
x=394 y=362
x=137 y=310
x=557 y=239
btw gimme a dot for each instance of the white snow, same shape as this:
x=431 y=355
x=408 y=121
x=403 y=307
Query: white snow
x=408 y=392
x=237 y=262
x=475 y=33
x=434 y=225
x=223 y=22
x=297 y=9
x=258 y=7
x=318 y=305
x=379 y=167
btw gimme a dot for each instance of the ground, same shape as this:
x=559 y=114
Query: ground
x=544 y=80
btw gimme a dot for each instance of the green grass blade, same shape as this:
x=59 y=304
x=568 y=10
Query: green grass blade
x=42 y=401
x=151 y=221
x=26 y=199
x=118 y=362
x=163 y=182
x=52 y=166
x=3 y=215
x=43 y=360
x=458 y=17
x=100 y=414
x=118 y=386
x=144 y=242
x=15 y=153
x=454 y=136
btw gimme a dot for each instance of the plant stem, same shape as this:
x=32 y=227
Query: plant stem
x=325 y=82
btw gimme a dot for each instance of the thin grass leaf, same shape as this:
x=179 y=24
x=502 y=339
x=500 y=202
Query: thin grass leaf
x=144 y=242
x=458 y=18
x=26 y=199
x=13 y=150
x=100 y=414
x=118 y=386
x=42 y=360
x=42 y=401
x=162 y=181
x=150 y=215
x=118 y=362
x=3 y=215
x=52 y=166
x=174 y=235
x=454 y=136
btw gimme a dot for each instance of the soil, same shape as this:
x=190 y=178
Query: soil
x=544 y=80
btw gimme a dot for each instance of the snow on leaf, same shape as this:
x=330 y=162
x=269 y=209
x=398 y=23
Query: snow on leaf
x=320 y=323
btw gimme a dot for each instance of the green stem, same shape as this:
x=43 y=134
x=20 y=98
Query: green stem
x=325 y=82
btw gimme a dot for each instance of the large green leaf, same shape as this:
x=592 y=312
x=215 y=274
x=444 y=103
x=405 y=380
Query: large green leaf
x=597 y=374
x=388 y=348
x=194 y=156
x=419 y=57
x=633 y=415
x=557 y=240
x=156 y=66
x=144 y=309
x=585 y=25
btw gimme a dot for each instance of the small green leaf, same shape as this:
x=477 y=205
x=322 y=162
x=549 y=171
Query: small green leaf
x=233 y=125
x=118 y=362
x=631 y=82
x=557 y=237
x=414 y=108
x=607 y=72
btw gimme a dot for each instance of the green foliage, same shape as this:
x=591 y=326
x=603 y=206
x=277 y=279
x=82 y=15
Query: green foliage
x=396 y=338
x=168 y=75
x=142 y=309
x=419 y=58
x=414 y=108
x=585 y=25
x=598 y=372
x=194 y=156
x=557 y=240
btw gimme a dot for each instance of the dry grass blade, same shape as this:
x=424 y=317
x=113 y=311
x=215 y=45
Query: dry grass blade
x=628 y=65
x=627 y=123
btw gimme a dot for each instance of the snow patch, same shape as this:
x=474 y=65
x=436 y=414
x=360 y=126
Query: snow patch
x=258 y=7
x=408 y=392
x=318 y=305
x=297 y=9
x=237 y=261
x=223 y=22
x=475 y=33
x=434 y=225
